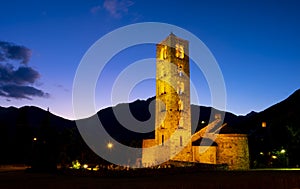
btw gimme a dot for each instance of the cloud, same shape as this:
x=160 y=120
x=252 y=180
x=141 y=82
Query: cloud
x=17 y=82
x=19 y=91
x=22 y=75
x=117 y=8
x=10 y=51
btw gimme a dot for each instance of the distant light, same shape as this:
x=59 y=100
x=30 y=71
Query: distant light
x=282 y=151
x=109 y=145
x=202 y=122
x=76 y=164
x=264 y=124
x=274 y=157
x=96 y=168
x=261 y=153
x=34 y=139
x=85 y=166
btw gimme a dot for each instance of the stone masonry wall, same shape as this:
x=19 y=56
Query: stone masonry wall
x=233 y=150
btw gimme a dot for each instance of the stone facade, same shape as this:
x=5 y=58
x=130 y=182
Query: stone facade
x=205 y=154
x=230 y=149
x=173 y=138
x=233 y=150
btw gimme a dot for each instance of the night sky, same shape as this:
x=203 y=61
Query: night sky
x=256 y=44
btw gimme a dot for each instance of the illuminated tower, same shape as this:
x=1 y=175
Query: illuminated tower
x=173 y=139
x=173 y=114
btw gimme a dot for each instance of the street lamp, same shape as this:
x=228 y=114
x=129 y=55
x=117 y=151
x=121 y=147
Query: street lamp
x=110 y=145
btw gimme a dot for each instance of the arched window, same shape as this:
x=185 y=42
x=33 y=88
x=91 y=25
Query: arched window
x=180 y=124
x=180 y=70
x=180 y=87
x=163 y=53
x=179 y=51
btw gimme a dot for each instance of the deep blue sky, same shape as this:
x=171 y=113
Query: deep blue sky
x=256 y=44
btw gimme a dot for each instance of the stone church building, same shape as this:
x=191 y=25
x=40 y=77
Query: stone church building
x=173 y=136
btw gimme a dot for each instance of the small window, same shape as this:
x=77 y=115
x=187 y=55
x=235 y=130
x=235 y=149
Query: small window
x=180 y=124
x=180 y=105
x=180 y=87
x=180 y=73
x=179 y=51
x=163 y=53
x=180 y=70
x=180 y=139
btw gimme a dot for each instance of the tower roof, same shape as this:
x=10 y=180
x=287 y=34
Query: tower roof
x=172 y=37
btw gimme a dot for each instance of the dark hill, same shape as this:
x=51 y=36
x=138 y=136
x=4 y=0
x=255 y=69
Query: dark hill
x=282 y=129
x=20 y=125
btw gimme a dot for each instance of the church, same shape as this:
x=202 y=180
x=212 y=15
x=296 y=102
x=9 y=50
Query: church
x=174 y=139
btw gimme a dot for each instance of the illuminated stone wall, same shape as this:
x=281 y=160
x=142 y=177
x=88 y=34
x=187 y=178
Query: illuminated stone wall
x=205 y=154
x=173 y=114
x=233 y=150
x=173 y=117
x=148 y=154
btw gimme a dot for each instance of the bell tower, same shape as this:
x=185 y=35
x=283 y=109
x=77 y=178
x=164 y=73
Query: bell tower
x=173 y=114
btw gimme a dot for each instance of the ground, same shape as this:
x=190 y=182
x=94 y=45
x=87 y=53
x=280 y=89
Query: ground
x=289 y=179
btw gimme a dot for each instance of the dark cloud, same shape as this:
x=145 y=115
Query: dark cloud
x=23 y=75
x=17 y=82
x=19 y=91
x=10 y=51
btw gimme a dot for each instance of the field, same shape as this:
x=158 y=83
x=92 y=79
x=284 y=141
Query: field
x=254 y=179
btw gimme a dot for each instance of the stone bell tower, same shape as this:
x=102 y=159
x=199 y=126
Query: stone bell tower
x=172 y=109
x=173 y=114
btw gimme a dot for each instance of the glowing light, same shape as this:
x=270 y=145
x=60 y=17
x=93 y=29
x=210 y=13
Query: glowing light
x=163 y=53
x=76 y=164
x=261 y=153
x=202 y=122
x=85 y=166
x=282 y=151
x=274 y=157
x=110 y=145
x=264 y=124
x=179 y=51
x=34 y=139
x=96 y=168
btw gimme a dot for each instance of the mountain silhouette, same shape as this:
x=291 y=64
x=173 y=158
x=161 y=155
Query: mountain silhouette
x=19 y=127
x=282 y=129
